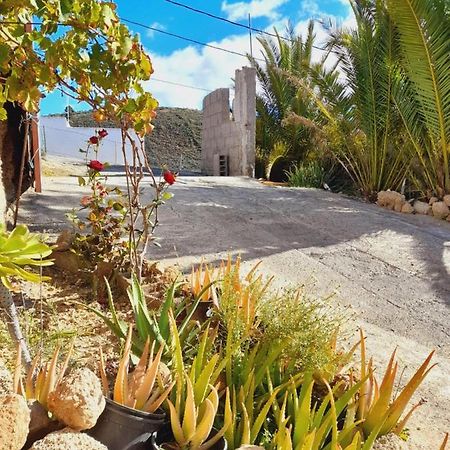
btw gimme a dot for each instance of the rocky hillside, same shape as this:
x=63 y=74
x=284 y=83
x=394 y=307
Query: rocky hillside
x=175 y=141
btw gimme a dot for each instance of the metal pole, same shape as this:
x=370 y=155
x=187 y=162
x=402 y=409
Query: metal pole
x=250 y=33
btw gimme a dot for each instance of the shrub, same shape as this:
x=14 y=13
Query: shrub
x=307 y=174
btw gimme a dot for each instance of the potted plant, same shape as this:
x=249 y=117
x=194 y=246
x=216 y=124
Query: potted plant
x=133 y=413
x=191 y=426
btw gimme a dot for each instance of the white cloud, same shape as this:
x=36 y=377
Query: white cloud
x=310 y=8
x=158 y=26
x=256 y=8
x=211 y=69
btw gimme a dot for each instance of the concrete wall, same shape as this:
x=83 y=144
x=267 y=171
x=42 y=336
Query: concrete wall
x=231 y=134
x=58 y=138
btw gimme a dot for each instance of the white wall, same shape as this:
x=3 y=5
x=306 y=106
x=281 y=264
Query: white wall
x=57 y=137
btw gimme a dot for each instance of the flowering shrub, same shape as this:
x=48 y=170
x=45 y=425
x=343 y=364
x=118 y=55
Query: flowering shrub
x=105 y=237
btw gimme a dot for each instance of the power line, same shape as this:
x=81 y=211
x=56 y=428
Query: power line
x=237 y=24
x=179 y=84
x=184 y=38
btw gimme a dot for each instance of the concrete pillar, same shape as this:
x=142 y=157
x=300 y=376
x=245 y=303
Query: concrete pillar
x=231 y=135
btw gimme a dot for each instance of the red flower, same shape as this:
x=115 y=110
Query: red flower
x=102 y=133
x=93 y=140
x=96 y=165
x=169 y=177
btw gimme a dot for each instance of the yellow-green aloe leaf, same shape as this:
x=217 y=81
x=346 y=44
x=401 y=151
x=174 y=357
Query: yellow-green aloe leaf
x=176 y=426
x=262 y=416
x=302 y=415
x=204 y=379
x=309 y=441
x=378 y=410
x=245 y=438
x=355 y=444
x=204 y=427
x=190 y=412
x=400 y=403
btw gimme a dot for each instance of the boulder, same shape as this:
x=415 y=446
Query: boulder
x=78 y=400
x=422 y=207
x=14 y=422
x=390 y=200
x=446 y=200
x=440 y=210
x=433 y=200
x=68 y=439
x=407 y=208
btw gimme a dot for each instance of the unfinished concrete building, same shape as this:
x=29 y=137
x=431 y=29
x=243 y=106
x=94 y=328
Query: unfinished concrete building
x=228 y=132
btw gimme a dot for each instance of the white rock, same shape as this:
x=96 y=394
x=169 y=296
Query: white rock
x=68 y=439
x=433 y=200
x=78 y=400
x=391 y=200
x=440 y=210
x=14 y=422
x=422 y=207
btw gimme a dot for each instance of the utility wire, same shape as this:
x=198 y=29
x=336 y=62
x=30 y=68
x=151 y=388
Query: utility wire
x=237 y=24
x=184 y=38
x=151 y=79
x=179 y=84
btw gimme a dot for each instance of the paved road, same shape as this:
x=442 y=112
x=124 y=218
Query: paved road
x=392 y=269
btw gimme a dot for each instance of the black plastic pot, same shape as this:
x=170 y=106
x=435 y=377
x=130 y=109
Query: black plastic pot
x=123 y=428
x=165 y=436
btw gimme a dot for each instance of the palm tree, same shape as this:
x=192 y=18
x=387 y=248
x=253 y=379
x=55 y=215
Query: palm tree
x=422 y=91
x=285 y=57
x=372 y=145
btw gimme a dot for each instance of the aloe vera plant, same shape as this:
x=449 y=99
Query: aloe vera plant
x=192 y=427
x=377 y=407
x=146 y=387
x=42 y=377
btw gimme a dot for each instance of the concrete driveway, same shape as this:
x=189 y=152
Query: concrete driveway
x=392 y=269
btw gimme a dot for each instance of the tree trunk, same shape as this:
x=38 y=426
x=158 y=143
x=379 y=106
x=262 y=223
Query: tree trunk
x=12 y=133
x=9 y=310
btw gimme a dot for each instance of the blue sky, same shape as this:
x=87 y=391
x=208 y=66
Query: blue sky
x=179 y=61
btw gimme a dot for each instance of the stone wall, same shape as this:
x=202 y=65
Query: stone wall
x=229 y=134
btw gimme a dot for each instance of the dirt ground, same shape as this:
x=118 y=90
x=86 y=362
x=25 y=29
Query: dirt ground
x=392 y=270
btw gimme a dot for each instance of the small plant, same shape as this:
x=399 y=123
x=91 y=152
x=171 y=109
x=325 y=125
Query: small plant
x=102 y=242
x=42 y=377
x=19 y=249
x=202 y=279
x=146 y=387
x=192 y=427
x=376 y=407
x=307 y=174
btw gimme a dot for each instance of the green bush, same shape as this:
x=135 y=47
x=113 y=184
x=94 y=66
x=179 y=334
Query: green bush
x=307 y=174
